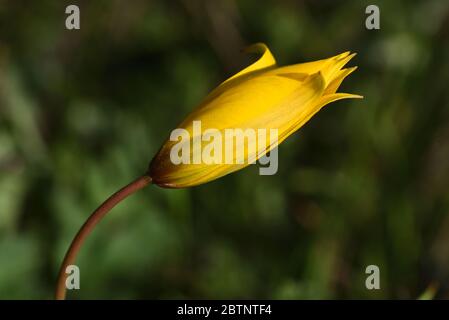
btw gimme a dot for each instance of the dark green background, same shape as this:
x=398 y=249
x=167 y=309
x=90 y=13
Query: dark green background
x=83 y=112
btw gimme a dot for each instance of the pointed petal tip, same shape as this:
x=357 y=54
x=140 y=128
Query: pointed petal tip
x=342 y=55
x=345 y=55
x=265 y=60
x=347 y=58
x=258 y=47
x=351 y=95
x=347 y=71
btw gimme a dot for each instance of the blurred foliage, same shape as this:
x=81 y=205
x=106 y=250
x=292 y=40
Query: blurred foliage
x=365 y=182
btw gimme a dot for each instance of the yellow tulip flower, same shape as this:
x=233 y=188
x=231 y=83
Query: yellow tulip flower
x=261 y=96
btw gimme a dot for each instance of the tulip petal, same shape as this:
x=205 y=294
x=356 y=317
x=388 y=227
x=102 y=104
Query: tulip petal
x=336 y=82
x=332 y=68
x=265 y=61
x=324 y=100
x=310 y=67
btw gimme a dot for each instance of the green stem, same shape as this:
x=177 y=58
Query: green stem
x=90 y=224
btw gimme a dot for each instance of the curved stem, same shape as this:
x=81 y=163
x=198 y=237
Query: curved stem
x=90 y=224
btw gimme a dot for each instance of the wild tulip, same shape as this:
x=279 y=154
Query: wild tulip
x=262 y=95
